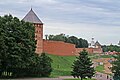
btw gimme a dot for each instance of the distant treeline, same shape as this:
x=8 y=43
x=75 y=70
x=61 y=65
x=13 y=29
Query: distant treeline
x=79 y=42
x=111 y=48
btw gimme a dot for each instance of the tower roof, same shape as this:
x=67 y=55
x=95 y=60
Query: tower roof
x=32 y=17
x=97 y=43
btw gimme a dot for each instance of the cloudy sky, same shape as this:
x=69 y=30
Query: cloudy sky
x=82 y=18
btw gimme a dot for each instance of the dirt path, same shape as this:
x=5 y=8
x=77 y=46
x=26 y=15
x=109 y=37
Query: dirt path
x=102 y=76
x=98 y=76
x=35 y=79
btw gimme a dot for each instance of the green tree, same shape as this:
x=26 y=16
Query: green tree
x=111 y=48
x=82 y=43
x=82 y=66
x=50 y=37
x=116 y=67
x=79 y=43
x=44 y=65
x=41 y=66
x=60 y=37
x=73 y=40
x=17 y=44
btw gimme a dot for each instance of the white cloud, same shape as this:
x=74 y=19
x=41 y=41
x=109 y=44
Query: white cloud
x=86 y=19
x=101 y=33
x=46 y=1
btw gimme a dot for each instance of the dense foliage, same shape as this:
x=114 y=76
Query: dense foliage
x=79 y=42
x=17 y=43
x=111 y=48
x=116 y=67
x=17 y=49
x=82 y=66
x=44 y=65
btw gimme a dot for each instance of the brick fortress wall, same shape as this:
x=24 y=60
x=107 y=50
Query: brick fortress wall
x=58 y=48
x=90 y=50
x=65 y=49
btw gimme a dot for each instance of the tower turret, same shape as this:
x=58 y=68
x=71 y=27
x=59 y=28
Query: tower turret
x=92 y=44
x=33 y=18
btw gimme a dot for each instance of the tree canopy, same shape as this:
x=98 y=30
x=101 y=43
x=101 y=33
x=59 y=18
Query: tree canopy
x=116 y=67
x=17 y=43
x=111 y=48
x=45 y=65
x=79 y=42
x=82 y=66
x=17 y=50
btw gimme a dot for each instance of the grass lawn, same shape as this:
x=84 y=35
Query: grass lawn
x=93 y=56
x=96 y=56
x=62 y=65
x=106 y=56
x=79 y=79
x=100 y=68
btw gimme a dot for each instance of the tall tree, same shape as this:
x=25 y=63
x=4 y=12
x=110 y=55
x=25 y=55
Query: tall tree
x=82 y=43
x=60 y=37
x=73 y=40
x=45 y=65
x=116 y=67
x=82 y=66
x=17 y=43
x=41 y=66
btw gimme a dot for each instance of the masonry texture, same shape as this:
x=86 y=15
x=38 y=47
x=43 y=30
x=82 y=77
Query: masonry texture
x=58 y=48
x=39 y=37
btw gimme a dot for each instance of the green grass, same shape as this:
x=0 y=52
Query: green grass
x=79 y=79
x=106 y=56
x=97 y=56
x=100 y=68
x=61 y=65
x=93 y=56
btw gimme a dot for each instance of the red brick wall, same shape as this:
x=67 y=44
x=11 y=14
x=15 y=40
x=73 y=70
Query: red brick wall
x=58 y=48
x=90 y=50
x=97 y=50
x=39 y=37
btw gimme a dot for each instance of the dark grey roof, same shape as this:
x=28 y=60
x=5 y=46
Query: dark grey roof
x=32 y=17
x=97 y=43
